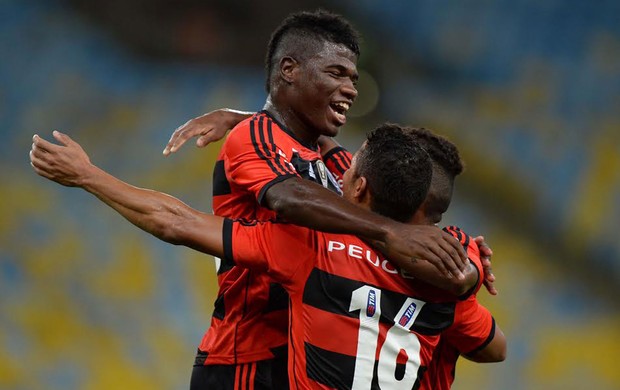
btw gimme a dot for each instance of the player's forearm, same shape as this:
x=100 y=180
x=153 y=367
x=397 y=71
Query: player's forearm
x=305 y=203
x=159 y=214
x=308 y=204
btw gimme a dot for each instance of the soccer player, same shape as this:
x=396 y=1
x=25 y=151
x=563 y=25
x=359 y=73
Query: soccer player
x=355 y=319
x=474 y=333
x=270 y=166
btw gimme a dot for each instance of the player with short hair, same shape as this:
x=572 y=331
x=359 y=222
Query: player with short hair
x=355 y=319
x=270 y=167
x=474 y=333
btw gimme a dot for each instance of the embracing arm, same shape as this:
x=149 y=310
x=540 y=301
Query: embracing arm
x=159 y=214
x=308 y=204
x=458 y=287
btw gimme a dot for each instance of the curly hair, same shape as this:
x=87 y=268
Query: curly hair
x=397 y=169
x=302 y=29
x=442 y=152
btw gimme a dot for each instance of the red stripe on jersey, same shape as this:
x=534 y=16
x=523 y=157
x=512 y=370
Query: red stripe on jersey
x=252 y=376
x=238 y=369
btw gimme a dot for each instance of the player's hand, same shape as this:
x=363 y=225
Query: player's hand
x=410 y=243
x=485 y=258
x=208 y=128
x=66 y=164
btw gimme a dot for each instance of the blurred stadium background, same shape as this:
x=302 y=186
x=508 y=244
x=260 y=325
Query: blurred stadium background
x=530 y=91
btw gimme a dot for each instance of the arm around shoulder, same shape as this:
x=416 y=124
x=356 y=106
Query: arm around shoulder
x=308 y=204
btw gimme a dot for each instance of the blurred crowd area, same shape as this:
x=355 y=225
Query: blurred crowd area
x=529 y=90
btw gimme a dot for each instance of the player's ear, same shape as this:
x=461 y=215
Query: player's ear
x=360 y=188
x=288 y=69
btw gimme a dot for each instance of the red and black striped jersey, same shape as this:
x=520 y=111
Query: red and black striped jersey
x=355 y=320
x=250 y=316
x=472 y=330
x=338 y=161
x=258 y=153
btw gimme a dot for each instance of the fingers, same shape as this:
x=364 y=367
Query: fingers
x=484 y=248
x=206 y=139
x=39 y=144
x=41 y=172
x=489 y=277
x=453 y=248
x=170 y=146
x=180 y=136
x=38 y=161
x=490 y=288
x=447 y=259
x=439 y=263
x=445 y=253
x=63 y=138
x=41 y=152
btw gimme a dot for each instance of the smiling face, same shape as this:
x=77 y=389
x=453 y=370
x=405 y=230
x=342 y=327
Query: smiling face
x=323 y=89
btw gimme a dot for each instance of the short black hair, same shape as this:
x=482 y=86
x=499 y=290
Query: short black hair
x=397 y=169
x=316 y=26
x=441 y=151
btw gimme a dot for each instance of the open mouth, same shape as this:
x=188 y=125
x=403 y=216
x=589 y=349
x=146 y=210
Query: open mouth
x=340 y=109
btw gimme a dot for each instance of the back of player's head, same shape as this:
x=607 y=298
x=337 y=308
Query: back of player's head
x=441 y=151
x=304 y=33
x=398 y=171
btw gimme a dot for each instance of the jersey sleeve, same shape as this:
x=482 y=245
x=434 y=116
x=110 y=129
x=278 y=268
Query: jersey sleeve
x=338 y=160
x=283 y=251
x=253 y=159
x=473 y=253
x=473 y=327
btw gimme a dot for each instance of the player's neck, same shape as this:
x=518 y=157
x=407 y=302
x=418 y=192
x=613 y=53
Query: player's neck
x=289 y=118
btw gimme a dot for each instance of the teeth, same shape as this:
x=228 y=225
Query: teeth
x=343 y=106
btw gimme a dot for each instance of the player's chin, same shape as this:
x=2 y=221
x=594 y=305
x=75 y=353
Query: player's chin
x=331 y=127
x=331 y=130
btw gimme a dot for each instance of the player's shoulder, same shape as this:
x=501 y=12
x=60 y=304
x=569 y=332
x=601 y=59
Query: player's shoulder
x=259 y=128
x=275 y=225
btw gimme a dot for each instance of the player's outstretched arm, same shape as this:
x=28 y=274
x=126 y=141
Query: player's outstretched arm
x=157 y=213
x=308 y=204
x=208 y=128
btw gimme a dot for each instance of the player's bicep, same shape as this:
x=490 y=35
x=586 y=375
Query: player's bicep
x=492 y=350
x=473 y=327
